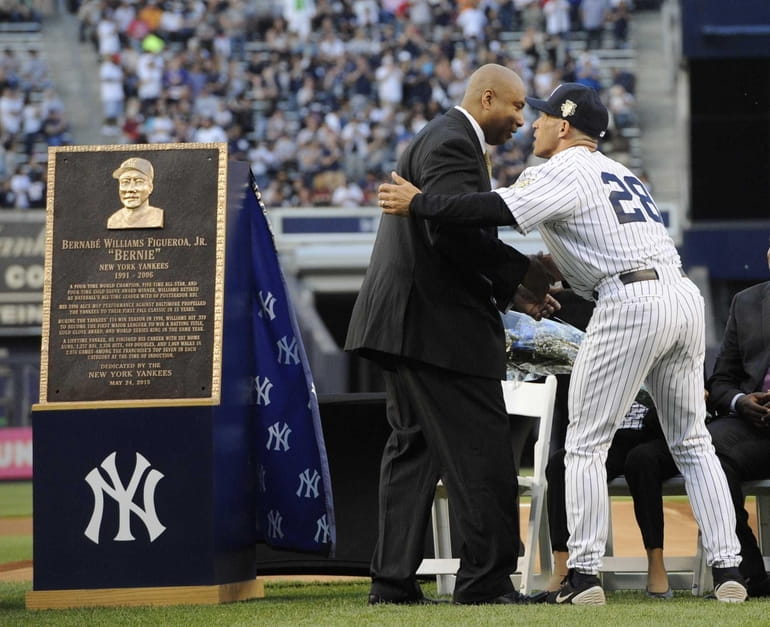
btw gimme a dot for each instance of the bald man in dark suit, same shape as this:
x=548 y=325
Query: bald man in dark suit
x=738 y=394
x=429 y=313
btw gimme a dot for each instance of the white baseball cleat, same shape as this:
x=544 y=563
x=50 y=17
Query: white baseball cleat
x=730 y=592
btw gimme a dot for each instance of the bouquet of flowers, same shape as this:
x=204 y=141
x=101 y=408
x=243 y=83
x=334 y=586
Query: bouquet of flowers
x=536 y=348
x=539 y=347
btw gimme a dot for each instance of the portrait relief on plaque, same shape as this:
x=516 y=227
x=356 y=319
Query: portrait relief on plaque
x=135 y=183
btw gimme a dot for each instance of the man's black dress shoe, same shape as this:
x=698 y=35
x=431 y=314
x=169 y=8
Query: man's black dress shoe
x=758 y=588
x=378 y=599
x=538 y=597
x=509 y=598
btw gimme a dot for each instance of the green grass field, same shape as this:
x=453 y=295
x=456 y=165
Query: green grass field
x=344 y=604
x=15 y=501
x=15 y=498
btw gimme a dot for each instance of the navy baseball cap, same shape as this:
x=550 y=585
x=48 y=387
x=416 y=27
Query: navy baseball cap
x=579 y=105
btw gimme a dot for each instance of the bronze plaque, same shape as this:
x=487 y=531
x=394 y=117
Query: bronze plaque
x=134 y=272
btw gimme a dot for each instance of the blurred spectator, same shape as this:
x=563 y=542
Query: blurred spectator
x=622 y=106
x=587 y=71
x=108 y=41
x=330 y=47
x=209 y=132
x=56 y=128
x=348 y=194
x=545 y=79
x=36 y=191
x=471 y=20
x=11 y=110
x=532 y=15
x=557 y=17
x=151 y=14
x=51 y=101
x=32 y=125
x=263 y=162
x=132 y=127
x=594 y=15
x=619 y=17
x=159 y=127
x=149 y=71
x=33 y=73
x=123 y=15
x=532 y=46
x=237 y=144
x=390 y=87
x=173 y=24
x=7 y=197
x=299 y=14
x=4 y=169
x=112 y=94
x=89 y=15
x=624 y=78
x=366 y=11
x=19 y=186
x=420 y=15
x=10 y=66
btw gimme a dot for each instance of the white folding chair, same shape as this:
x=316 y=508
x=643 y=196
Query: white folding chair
x=531 y=400
x=686 y=572
x=702 y=581
x=630 y=572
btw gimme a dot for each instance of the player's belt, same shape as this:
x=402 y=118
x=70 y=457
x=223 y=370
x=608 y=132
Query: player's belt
x=646 y=274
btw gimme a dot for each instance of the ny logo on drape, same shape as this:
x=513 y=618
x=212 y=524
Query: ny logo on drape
x=308 y=484
x=267 y=305
x=262 y=385
x=279 y=437
x=288 y=351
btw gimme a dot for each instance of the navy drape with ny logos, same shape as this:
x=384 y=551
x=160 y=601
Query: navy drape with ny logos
x=294 y=508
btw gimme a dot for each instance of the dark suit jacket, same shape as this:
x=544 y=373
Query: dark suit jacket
x=430 y=291
x=745 y=352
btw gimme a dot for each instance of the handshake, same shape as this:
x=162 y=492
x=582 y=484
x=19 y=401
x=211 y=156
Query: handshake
x=535 y=294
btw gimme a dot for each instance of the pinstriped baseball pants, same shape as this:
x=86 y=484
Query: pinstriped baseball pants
x=646 y=332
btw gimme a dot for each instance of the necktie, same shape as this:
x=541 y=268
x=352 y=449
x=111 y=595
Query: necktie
x=766 y=382
x=489 y=163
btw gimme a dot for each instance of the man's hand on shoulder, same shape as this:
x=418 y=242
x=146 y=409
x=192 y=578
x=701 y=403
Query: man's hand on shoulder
x=395 y=198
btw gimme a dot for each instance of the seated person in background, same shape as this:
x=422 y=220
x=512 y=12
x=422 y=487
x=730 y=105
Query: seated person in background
x=739 y=397
x=628 y=455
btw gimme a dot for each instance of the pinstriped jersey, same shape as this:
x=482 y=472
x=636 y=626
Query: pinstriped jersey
x=596 y=217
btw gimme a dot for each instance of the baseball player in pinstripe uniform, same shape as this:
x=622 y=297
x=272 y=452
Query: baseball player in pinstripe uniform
x=607 y=237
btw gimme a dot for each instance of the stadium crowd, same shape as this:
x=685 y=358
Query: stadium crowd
x=31 y=111
x=319 y=96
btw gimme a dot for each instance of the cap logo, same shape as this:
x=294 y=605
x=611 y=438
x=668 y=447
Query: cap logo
x=568 y=108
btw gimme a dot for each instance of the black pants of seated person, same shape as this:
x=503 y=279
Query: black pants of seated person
x=744 y=452
x=642 y=456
